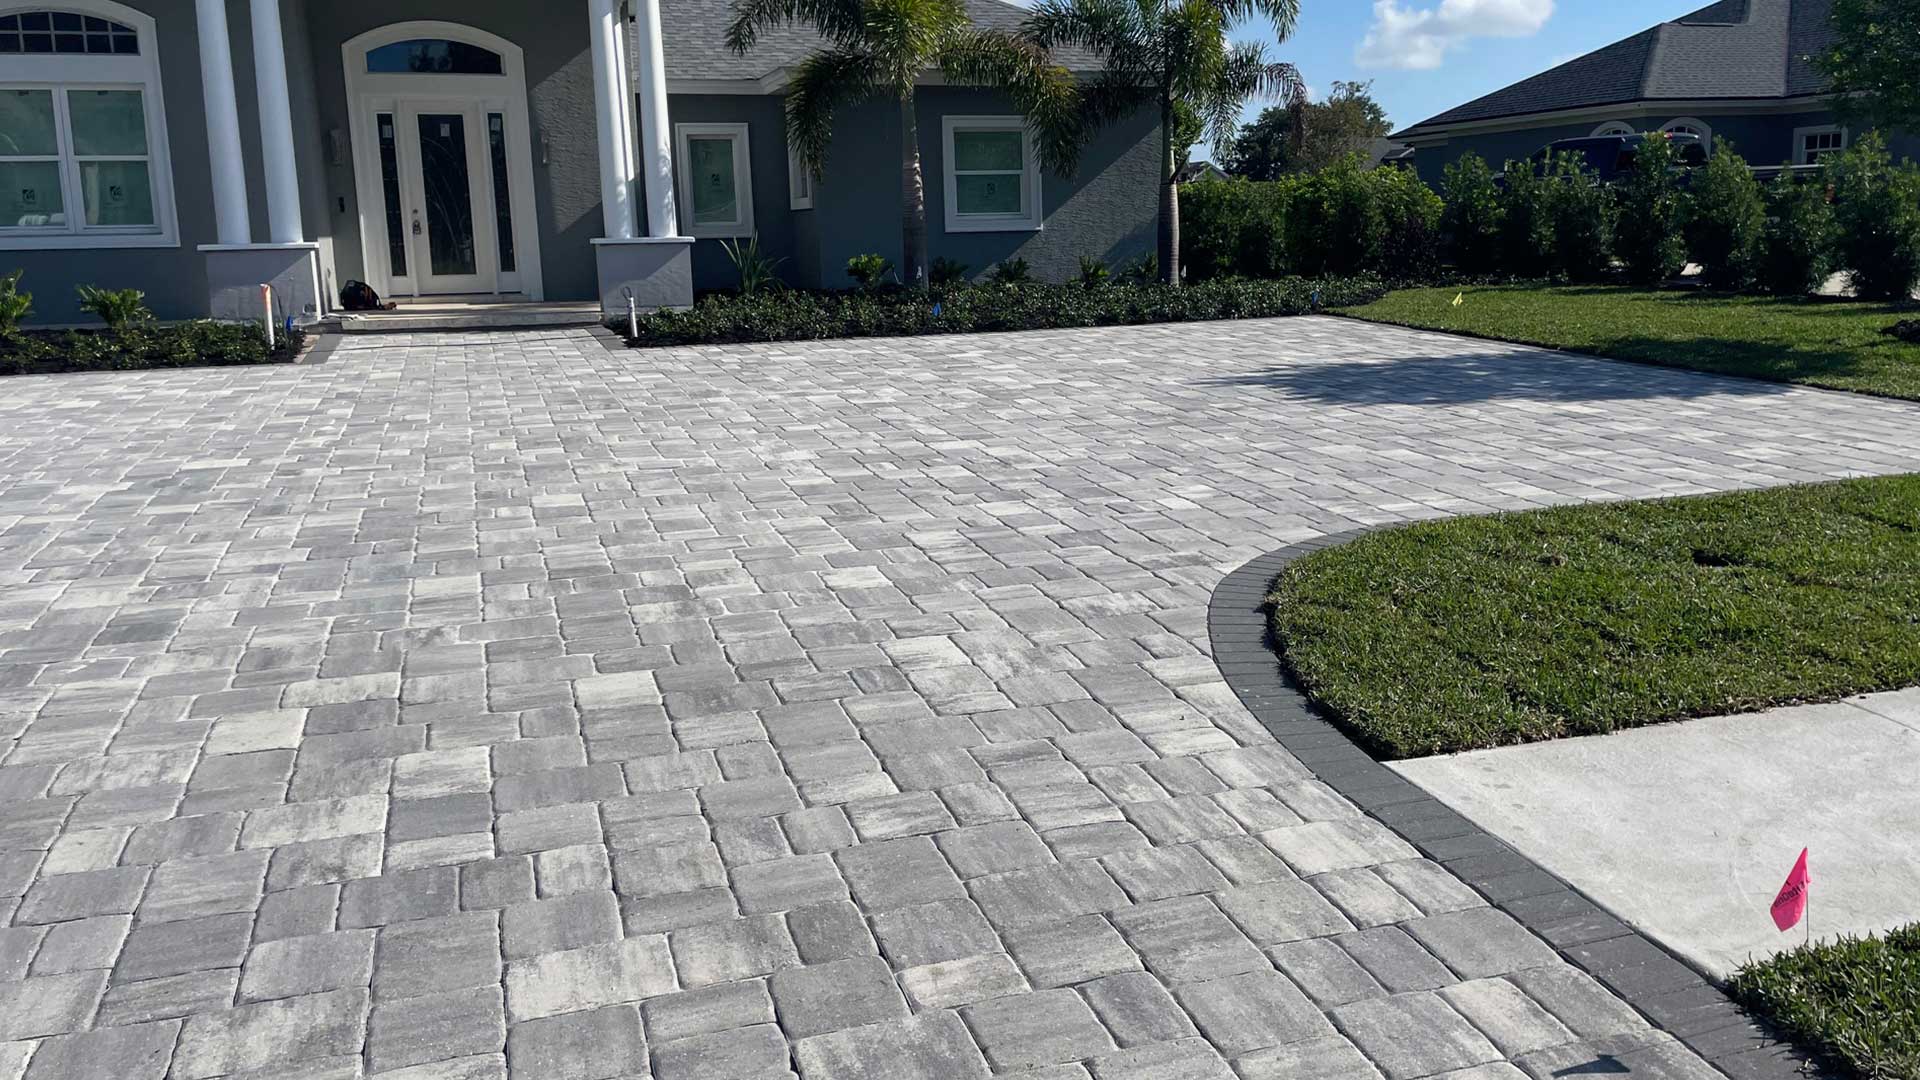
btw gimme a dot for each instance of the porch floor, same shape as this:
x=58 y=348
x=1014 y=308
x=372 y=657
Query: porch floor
x=469 y=313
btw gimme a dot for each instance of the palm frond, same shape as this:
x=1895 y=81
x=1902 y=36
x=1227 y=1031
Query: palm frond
x=1113 y=95
x=1283 y=14
x=821 y=85
x=1246 y=74
x=1103 y=26
x=839 y=21
x=1039 y=88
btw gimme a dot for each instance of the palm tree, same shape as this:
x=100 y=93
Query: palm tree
x=879 y=47
x=1173 y=53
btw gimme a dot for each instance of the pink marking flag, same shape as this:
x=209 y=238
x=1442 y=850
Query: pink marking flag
x=1791 y=905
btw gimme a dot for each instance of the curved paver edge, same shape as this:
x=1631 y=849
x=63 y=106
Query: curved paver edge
x=1671 y=995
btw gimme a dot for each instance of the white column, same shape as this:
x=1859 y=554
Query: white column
x=223 y=124
x=624 y=76
x=656 y=134
x=616 y=196
x=276 y=125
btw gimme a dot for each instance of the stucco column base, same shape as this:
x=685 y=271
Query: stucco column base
x=659 y=271
x=235 y=273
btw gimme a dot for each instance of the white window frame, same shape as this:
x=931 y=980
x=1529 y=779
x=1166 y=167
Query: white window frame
x=1701 y=127
x=1612 y=127
x=62 y=72
x=1032 y=218
x=799 y=182
x=742 y=225
x=1800 y=140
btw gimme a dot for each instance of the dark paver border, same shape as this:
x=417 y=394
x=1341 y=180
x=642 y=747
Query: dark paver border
x=1670 y=994
x=322 y=348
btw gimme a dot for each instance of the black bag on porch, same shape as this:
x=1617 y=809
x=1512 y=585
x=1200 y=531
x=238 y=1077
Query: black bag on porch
x=359 y=296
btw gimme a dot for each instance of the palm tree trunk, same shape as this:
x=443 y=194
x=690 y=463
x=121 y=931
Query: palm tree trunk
x=1169 y=198
x=913 y=196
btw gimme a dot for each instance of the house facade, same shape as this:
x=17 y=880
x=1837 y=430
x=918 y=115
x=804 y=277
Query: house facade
x=580 y=150
x=1739 y=70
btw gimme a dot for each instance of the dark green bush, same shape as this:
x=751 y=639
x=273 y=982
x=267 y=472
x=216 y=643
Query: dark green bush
x=1726 y=220
x=1877 y=206
x=1341 y=220
x=1797 y=250
x=118 y=308
x=1647 y=229
x=1582 y=212
x=1410 y=212
x=945 y=271
x=1526 y=224
x=1472 y=216
x=141 y=346
x=807 y=316
x=1015 y=271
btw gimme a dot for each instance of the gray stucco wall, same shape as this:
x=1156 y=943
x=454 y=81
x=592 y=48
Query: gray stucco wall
x=173 y=278
x=1105 y=209
x=1762 y=139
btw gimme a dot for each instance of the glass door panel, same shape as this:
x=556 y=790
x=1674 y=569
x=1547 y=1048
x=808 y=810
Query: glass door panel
x=447 y=191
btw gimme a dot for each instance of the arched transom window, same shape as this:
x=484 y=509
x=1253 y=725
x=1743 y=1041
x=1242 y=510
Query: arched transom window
x=67 y=32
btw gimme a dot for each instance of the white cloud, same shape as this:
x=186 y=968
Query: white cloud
x=1420 y=38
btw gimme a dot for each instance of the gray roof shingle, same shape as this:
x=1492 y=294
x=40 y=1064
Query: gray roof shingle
x=1734 y=49
x=695 y=31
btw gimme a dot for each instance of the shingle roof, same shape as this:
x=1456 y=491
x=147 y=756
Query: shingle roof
x=1734 y=49
x=694 y=33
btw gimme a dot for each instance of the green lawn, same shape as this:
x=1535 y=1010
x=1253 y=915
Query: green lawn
x=1857 y=1000
x=1819 y=342
x=1486 y=631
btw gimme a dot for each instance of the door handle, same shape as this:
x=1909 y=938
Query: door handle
x=416 y=223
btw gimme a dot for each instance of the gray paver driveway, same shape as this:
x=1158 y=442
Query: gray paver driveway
x=469 y=706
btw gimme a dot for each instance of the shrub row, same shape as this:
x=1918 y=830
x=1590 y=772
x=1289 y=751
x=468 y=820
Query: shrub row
x=960 y=309
x=138 y=346
x=1339 y=221
x=1860 y=214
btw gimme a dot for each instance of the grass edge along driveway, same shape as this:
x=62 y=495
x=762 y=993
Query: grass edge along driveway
x=1475 y=632
x=1812 y=341
x=1855 y=1000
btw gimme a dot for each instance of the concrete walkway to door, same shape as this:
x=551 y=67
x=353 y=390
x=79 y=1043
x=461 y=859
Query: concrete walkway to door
x=474 y=705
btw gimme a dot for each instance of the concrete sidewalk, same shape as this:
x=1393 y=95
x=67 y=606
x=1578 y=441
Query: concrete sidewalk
x=1686 y=831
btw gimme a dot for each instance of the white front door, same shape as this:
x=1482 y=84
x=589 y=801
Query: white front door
x=447 y=195
x=442 y=161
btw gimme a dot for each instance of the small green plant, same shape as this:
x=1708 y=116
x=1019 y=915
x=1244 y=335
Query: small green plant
x=1471 y=220
x=1647 y=229
x=1143 y=271
x=1797 y=249
x=1877 y=209
x=755 y=268
x=1726 y=219
x=1012 y=272
x=1094 y=271
x=945 y=271
x=118 y=308
x=869 y=270
x=14 y=304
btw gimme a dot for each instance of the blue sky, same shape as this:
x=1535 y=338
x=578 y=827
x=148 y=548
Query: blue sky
x=1426 y=56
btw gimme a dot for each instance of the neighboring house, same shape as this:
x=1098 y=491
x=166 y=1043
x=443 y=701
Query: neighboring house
x=1195 y=171
x=1739 y=70
x=567 y=151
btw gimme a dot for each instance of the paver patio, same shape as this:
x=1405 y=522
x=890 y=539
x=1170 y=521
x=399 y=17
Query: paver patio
x=471 y=706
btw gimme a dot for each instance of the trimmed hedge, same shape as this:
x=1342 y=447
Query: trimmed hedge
x=142 y=346
x=1339 y=221
x=899 y=312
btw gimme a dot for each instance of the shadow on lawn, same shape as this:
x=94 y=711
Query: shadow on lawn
x=1502 y=376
